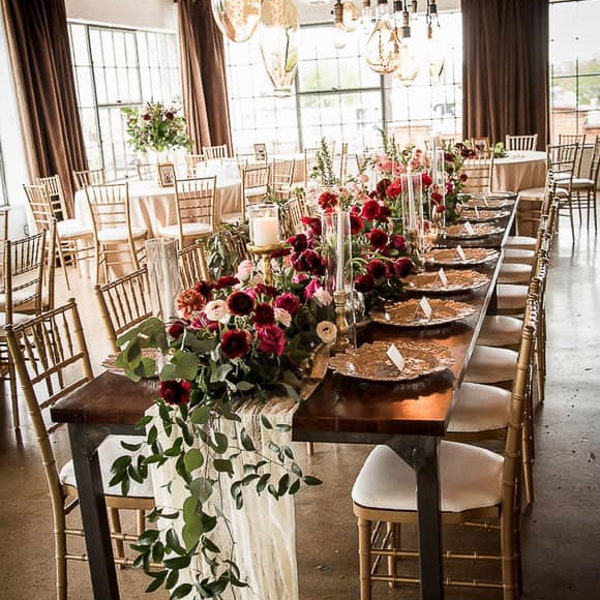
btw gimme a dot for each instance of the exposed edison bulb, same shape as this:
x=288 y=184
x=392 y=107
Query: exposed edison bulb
x=351 y=16
x=367 y=17
x=383 y=47
x=408 y=68
x=315 y=2
x=435 y=50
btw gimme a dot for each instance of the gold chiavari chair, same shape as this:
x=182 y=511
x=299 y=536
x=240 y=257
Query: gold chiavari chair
x=112 y=228
x=481 y=145
x=215 y=152
x=291 y=216
x=477 y=486
x=56 y=194
x=521 y=143
x=146 y=171
x=4 y=210
x=479 y=172
x=88 y=177
x=21 y=285
x=74 y=240
x=566 y=139
x=195 y=200
x=282 y=178
x=341 y=162
x=193 y=265
x=191 y=163
x=254 y=186
x=583 y=189
x=124 y=303
x=310 y=163
x=51 y=357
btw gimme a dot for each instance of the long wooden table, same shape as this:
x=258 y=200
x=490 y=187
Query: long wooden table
x=410 y=418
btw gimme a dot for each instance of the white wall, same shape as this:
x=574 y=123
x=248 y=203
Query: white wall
x=154 y=14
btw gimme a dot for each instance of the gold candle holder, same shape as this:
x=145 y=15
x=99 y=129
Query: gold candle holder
x=264 y=253
x=342 y=341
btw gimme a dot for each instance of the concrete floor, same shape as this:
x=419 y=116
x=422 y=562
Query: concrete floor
x=561 y=533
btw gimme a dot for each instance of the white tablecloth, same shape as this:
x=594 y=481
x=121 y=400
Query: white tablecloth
x=153 y=207
x=519 y=171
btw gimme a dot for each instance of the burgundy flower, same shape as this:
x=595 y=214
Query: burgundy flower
x=314 y=224
x=440 y=209
x=378 y=238
x=263 y=315
x=288 y=302
x=235 y=343
x=376 y=268
x=364 y=283
x=403 y=266
x=280 y=253
x=240 y=303
x=356 y=224
x=309 y=261
x=426 y=180
x=394 y=189
x=169 y=115
x=449 y=156
x=266 y=290
x=205 y=288
x=272 y=339
x=226 y=281
x=328 y=201
x=175 y=392
x=384 y=213
x=463 y=177
x=398 y=242
x=370 y=210
x=298 y=242
x=176 y=329
x=382 y=186
x=146 y=117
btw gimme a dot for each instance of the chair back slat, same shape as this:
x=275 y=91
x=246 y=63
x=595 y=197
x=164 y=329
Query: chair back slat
x=193 y=265
x=282 y=177
x=109 y=205
x=479 y=173
x=521 y=143
x=88 y=177
x=291 y=216
x=595 y=161
x=146 y=171
x=39 y=205
x=191 y=163
x=56 y=194
x=215 y=152
x=570 y=139
x=124 y=303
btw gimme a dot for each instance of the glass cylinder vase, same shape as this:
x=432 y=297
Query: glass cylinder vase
x=263 y=222
x=337 y=248
x=163 y=276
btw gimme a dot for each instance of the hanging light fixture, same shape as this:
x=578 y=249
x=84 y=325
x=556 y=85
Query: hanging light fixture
x=383 y=47
x=237 y=19
x=435 y=51
x=367 y=17
x=350 y=15
x=340 y=34
x=408 y=67
x=279 y=25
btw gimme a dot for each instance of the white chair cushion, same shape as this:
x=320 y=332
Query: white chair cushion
x=470 y=477
x=500 y=330
x=519 y=255
x=231 y=218
x=581 y=182
x=532 y=194
x=19 y=297
x=255 y=191
x=16 y=318
x=119 y=234
x=72 y=228
x=511 y=296
x=515 y=273
x=479 y=407
x=188 y=229
x=491 y=365
x=522 y=242
x=110 y=449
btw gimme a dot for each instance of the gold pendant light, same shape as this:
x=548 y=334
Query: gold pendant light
x=237 y=19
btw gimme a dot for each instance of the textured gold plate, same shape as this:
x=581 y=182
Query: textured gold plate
x=484 y=215
x=492 y=203
x=449 y=256
x=408 y=314
x=479 y=231
x=458 y=281
x=371 y=362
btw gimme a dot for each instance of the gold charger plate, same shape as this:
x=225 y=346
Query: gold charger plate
x=483 y=216
x=449 y=256
x=490 y=203
x=458 y=281
x=408 y=314
x=370 y=361
x=479 y=231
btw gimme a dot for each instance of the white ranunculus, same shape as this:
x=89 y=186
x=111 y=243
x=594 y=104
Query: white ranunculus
x=244 y=270
x=283 y=316
x=323 y=297
x=217 y=310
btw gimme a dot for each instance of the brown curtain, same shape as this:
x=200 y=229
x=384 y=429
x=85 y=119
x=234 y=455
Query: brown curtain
x=505 y=69
x=202 y=53
x=38 y=41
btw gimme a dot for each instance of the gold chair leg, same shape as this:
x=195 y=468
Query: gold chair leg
x=115 y=527
x=60 y=553
x=364 y=556
x=61 y=257
x=392 y=531
x=507 y=543
x=527 y=459
x=310 y=448
x=140 y=521
x=14 y=399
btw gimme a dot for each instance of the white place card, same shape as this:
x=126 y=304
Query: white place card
x=425 y=308
x=396 y=357
x=461 y=253
x=485 y=199
x=476 y=213
x=443 y=277
x=469 y=228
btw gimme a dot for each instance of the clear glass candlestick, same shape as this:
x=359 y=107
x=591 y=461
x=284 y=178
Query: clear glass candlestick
x=264 y=224
x=163 y=276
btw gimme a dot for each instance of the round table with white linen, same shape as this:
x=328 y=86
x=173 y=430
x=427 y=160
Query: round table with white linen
x=519 y=171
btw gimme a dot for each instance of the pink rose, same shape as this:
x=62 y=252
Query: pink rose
x=272 y=339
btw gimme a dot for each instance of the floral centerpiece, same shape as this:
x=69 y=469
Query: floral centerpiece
x=156 y=127
x=236 y=339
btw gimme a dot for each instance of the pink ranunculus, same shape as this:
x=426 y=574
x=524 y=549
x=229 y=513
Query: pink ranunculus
x=323 y=297
x=311 y=288
x=283 y=316
x=216 y=310
x=288 y=302
x=271 y=339
x=244 y=270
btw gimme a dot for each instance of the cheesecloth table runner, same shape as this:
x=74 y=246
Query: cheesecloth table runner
x=264 y=530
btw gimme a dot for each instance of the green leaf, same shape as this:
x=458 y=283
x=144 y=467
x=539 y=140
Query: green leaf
x=148 y=537
x=187 y=365
x=294 y=487
x=192 y=530
x=262 y=482
x=168 y=372
x=173 y=543
x=181 y=591
x=283 y=485
x=178 y=563
x=159 y=578
x=193 y=459
x=246 y=440
x=172 y=579
x=244 y=386
x=131 y=447
x=220 y=442
x=141 y=424
x=121 y=464
x=266 y=423
x=310 y=480
x=223 y=466
x=201 y=488
x=200 y=415
x=210 y=545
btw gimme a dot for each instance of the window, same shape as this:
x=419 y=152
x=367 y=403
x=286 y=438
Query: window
x=574 y=67
x=337 y=96
x=116 y=67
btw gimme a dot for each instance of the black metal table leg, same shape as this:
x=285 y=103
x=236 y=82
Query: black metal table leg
x=421 y=453
x=84 y=443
